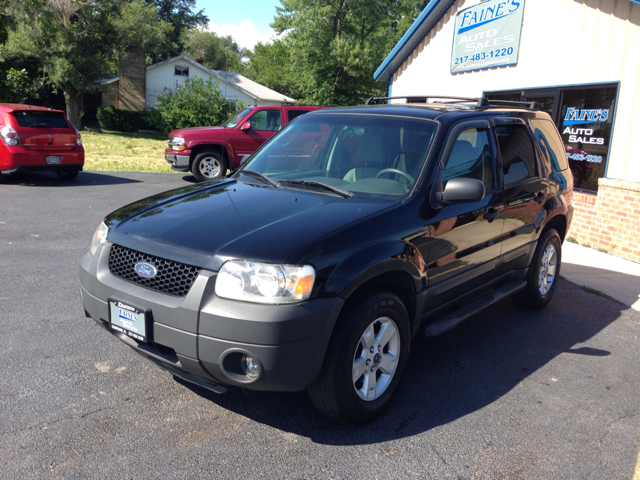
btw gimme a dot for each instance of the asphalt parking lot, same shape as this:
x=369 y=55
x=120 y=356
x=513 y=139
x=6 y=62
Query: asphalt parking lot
x=510 y=394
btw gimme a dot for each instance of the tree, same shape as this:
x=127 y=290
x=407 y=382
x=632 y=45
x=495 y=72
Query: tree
x=196 y=104
x=181 y=15
x=75 y=40
x=218 y=53
x=335 y=46
x=270 y=65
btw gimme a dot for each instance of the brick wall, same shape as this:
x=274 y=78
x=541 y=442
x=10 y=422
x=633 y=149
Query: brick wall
x=609 y=220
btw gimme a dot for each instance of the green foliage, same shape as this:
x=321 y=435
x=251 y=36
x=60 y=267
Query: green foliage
x=74 y=41
x=197 y=104
x=181 y=15
x=19 y=85
x=335 y=46
x=121 y=120
x=269 y=64
x=218 y=53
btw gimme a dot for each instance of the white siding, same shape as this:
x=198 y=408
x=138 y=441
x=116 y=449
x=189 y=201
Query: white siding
x=564 y=42
x=163 y=78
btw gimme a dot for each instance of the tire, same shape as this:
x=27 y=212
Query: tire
x=380 y=322
x=543 y=274
x=209 y=165
x=68 y=175
x=577 y=176
x=3 y=177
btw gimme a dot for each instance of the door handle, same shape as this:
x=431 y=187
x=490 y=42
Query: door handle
x=540 y=197
x=491 y=214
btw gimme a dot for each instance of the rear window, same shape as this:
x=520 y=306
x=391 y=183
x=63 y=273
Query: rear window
x=296 y=113
x=41 y=119
x=550 y=142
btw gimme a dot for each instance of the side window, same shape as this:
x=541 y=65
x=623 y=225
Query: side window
x=266 y=120
x=518 y=156
x=296 y=113
x=470 y=158
x=550 y=142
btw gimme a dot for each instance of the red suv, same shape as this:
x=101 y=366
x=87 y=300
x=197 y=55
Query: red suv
x=208 y=152
x=38 y=138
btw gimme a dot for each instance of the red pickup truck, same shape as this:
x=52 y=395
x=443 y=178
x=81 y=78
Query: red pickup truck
x=208 y=152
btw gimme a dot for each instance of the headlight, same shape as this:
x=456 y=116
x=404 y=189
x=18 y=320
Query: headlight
x=176 y=143
x=99 y=237
x=264 y=282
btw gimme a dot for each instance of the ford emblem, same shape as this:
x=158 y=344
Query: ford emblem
x=145 y=270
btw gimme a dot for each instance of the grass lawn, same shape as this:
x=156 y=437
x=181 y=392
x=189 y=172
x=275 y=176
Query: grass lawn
x=130 y=152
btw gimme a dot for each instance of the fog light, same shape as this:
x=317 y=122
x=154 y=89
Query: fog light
x=250 y=366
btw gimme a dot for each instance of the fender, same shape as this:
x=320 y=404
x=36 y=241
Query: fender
x=373 y=261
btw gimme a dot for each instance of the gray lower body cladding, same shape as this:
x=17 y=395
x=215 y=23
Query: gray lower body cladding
x=201 y=337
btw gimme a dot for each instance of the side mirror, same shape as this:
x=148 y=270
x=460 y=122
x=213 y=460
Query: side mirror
x=245 y=126
x=459 y=190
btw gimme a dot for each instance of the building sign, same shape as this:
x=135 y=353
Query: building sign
x=487 y=35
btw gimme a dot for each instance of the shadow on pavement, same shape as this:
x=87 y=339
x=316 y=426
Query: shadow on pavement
x=450 y=376
x=50 y=179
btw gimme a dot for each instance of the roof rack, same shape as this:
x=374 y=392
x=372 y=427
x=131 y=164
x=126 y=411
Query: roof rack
x=482 y=102
x=296 y=104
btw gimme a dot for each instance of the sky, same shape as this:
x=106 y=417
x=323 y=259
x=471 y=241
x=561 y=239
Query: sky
x=247 y=21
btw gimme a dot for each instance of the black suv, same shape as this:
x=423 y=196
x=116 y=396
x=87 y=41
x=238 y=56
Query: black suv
x=344 y=236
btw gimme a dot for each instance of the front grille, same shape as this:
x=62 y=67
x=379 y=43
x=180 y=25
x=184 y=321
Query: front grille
x=172 y=278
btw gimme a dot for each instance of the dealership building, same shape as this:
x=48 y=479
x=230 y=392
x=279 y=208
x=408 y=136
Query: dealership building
x=579 y=59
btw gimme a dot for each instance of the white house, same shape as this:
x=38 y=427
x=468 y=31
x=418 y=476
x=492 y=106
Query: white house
x=138 y=87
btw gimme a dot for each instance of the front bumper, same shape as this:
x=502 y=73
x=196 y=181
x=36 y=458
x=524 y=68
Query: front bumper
x=201 y=337
x=179 y=160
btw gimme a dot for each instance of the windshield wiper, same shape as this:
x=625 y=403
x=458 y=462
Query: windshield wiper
x=310 y=183
x=259 y=176
x=38 y=125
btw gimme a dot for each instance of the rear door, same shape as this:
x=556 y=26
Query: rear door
x=43 y=130
x=525 y=190
x=465 y=246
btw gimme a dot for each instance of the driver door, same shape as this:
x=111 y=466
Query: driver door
x=465 y=247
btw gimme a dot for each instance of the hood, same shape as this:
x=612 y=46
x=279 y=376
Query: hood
x=183 y=132
x=205 y=225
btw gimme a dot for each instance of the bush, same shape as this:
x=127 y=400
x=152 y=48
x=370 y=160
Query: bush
x=197 y=104
x=121 y=120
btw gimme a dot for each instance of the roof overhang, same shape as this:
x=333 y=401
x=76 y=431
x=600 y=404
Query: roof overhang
x=410 y=40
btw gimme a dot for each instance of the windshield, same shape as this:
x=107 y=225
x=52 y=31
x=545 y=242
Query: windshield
x=373 y=155
x=236 y=118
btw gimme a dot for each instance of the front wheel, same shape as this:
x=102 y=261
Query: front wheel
x=365 y=359
x=542 y=277
x=208 y=166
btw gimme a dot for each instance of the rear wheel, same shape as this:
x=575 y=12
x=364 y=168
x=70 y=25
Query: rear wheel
x=365 y=359
x=543 y=274
x=69 y=174
x=209 y=165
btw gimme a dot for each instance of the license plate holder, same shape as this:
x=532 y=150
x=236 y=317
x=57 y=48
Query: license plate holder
x=53 y=159
x=129 y=319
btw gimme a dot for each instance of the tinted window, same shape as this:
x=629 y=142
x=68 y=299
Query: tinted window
x=37 y=119
x=545 y=133
x=518 y=157
x=267 y=120
x=470 y=158
x=296 y=113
